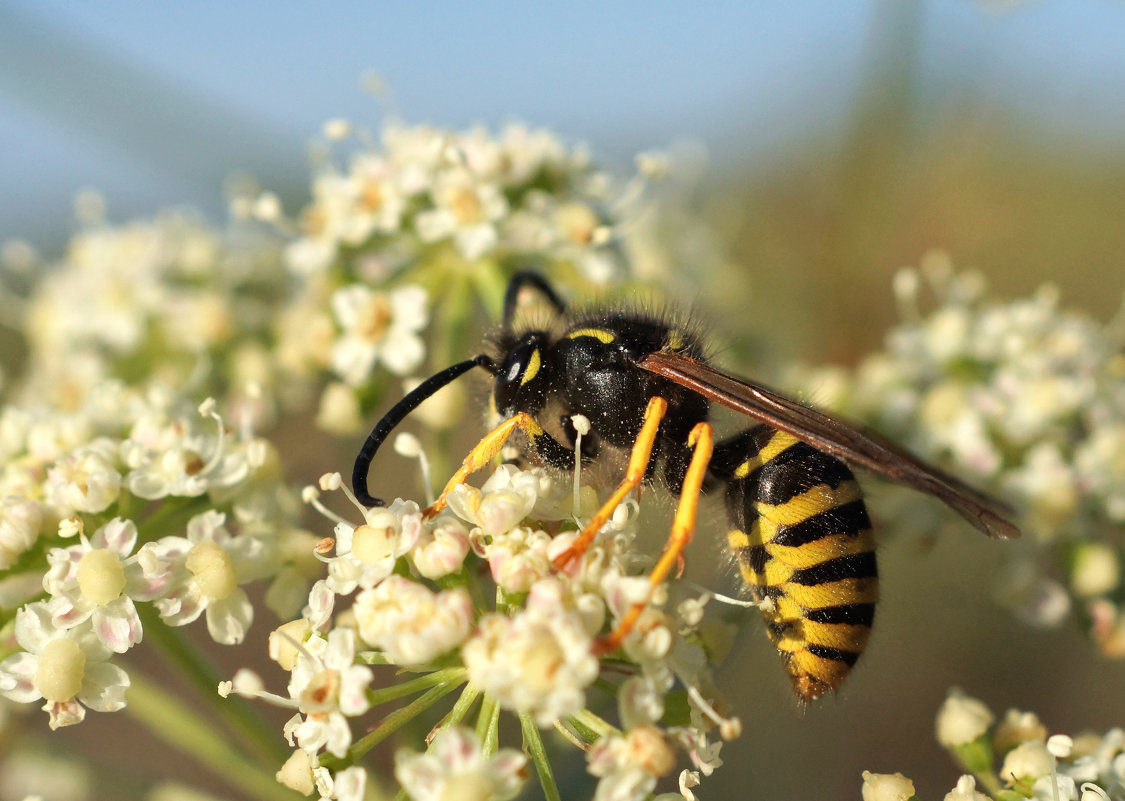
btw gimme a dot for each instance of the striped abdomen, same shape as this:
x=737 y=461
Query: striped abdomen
x=803 y=541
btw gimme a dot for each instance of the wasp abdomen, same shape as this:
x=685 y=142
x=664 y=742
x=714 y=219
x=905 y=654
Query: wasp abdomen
x=803 y=541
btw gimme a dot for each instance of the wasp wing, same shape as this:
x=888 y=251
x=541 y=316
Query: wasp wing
x=857 y=447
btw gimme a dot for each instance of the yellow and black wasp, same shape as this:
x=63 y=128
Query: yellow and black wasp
x=799 y=526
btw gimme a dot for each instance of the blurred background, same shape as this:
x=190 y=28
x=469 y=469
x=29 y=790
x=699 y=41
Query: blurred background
x=842 y=140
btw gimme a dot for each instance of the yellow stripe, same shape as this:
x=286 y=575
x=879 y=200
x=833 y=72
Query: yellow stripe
x=817 y=551
x=845 y=636
x=779 y=442
x=810 y=502
x=533 y=365
x=826 y=671
x=600 y=334
x=834 y=593
x=736 y=538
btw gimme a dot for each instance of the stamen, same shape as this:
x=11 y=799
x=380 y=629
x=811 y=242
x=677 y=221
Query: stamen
x=311 y=496
x=581 y=425
x=207 y=409
x=406 y=444
x=726 y=599
x=729 y=728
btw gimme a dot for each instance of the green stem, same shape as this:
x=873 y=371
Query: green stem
x=488 y=726
x=178 y=725
x=391 y=723
x=595 y=724
x=461 y=708
x=191 y=662
x=533 y=742
x=456 y=675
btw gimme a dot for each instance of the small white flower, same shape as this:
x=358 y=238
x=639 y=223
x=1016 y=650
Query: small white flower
x=518 y=558
x=442 y=547
x=628 y=766
x=366 y=554
x=961 y=720
x=1025 y=763
x=177 y=455
x=203 y=571
x=98 y=579
x=466 y=210
x=66 y=667
x=538 y=661
x=411 y=624
x=454 y=767
x=966 y=790
x=86 y=480
x=886 y=787
x=1054 y=788
x=20 y=519
x=329 y=688
x=378 y=327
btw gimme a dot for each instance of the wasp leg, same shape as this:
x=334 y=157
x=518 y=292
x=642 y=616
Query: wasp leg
x=491 y=444
x=639 y=458
x=701 y=440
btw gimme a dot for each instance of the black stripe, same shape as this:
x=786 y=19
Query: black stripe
x=852 y=566
x=755 y=557
x=796 y=470
x=848 y=518
x=835 y=654
x=851 y=614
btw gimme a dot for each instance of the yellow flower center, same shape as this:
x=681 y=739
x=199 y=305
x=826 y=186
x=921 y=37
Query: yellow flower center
x=101 y=576
x=372 y=544
x=214 y=572
x=61 y=668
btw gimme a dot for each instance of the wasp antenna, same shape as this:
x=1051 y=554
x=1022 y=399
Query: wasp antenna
x=519 y=281
x=397 y=414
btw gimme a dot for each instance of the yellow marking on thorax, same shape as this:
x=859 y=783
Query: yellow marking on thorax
x=675 y=339
x=533 y=365
x=779 y=442
x=600 y=334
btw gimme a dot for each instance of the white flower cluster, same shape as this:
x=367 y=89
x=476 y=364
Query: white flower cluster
x=518 y=194
x=167 y=299
x=418 y=585
x=1015 y=758
x=1024 y=398
x=134 y=498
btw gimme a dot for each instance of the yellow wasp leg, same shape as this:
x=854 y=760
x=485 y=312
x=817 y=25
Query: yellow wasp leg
x=482 y=454
x=634 y=475
x=702 y=440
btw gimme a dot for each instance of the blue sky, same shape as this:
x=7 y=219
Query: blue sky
x=153 y=102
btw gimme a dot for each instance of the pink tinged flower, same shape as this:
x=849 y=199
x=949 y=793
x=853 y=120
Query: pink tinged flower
x=455 y=767
x=205 y=570
x=67 y=668
x=85 y=480
x=366 y=554
x=97 y=580
x=518 y=558
x=328 y=688
x=410 y=623
x=441 y=548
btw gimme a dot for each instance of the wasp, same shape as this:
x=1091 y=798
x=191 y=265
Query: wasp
x=799 y=527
